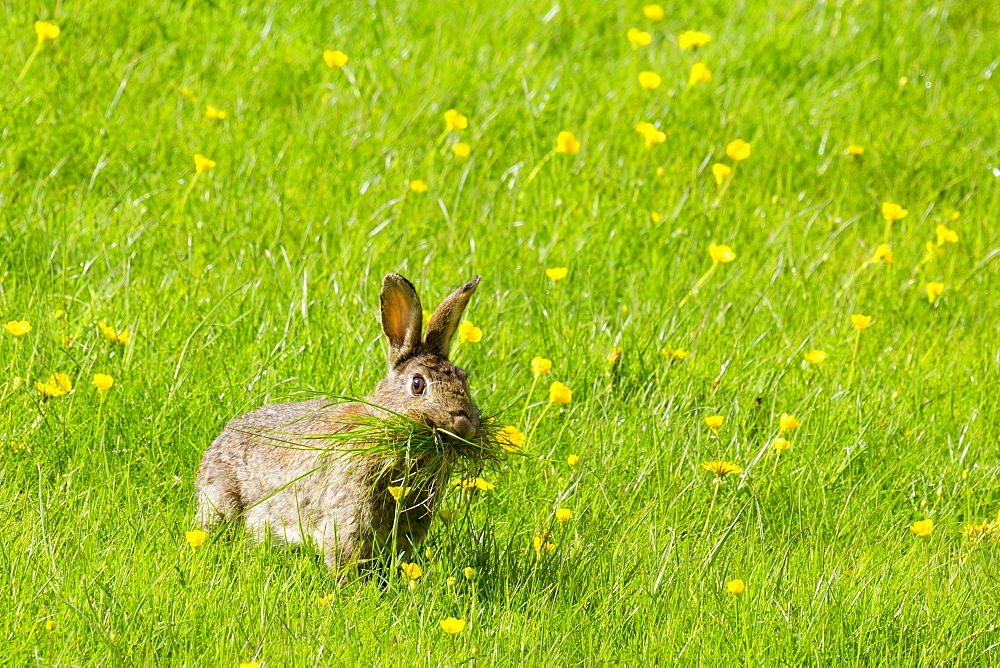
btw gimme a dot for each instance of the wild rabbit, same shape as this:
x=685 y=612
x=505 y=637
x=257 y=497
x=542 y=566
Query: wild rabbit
x=269 y=466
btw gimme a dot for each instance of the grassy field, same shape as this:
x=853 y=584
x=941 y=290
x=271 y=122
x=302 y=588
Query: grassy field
x=257 y=281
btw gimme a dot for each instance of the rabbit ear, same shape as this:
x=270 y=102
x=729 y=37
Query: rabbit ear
x=402 y=317
x=446 y=317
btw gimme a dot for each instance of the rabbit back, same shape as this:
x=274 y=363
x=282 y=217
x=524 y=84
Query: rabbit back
x=270 y=467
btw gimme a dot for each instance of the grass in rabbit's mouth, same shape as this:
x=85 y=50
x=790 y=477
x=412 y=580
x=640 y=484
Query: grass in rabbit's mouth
x=396 y=439
x=400 y=436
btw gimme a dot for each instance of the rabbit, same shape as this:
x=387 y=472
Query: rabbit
x=266 y=467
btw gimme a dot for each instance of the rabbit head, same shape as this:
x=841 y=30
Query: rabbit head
x=422 y=383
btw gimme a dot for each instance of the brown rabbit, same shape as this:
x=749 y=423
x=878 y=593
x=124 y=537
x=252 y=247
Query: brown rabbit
x=269 y=466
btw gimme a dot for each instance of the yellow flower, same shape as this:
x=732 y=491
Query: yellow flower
x=46 y=30
x=48 y=390
x=653 y=12
x=461 y=150
x=922 y=528
x=714 y=422
x=933 y=251
x=58 y=385
x=893 y=212
x=654 y=137
x=615 y=356
x=655 y=216
x=934 y=290
x=103 y=382
x=324 y=601
x=16 y=446
x=564 y=515
x=883 y=254
x=215 y=114
x=249 y=664
x=721 y=254
x=111 y=335
x=195 y=538
x=649 y=80
x=735 y=587
x=573 y=460
x=399 y=492
x=650 y=134
x=475 y=483
x=58 y=314
x=469 y=572
x=721 y=172
x=560 y=394
x=18 y=327
x=638 y=37
x=557 y=273
x=781 y=444
x=738 y=150
x=202 y=164
x=540 y=366
x=418 y=186
x=815 y=356
x=469 y=332
x=954 y=215
x=699 y=74
x=692 y=39
x=854 y=149
x=979 y=532
x=510 y=439
x=721 y=468
x=788 y=422
x=567 y=143
x=860 y=321
x=454 y=120
x=188 y=94
x=50 y=624
x=945 y=235
x=540 y=541
x=451 y=626
x=412 y=571
x=335 y=59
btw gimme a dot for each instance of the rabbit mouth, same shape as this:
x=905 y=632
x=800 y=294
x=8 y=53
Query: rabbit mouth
x=463 y=428
x=461 y=446
x=453 y=439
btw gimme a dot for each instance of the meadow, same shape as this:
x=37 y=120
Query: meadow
x=791 y=271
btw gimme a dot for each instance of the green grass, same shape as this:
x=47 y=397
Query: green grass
x=261 y=285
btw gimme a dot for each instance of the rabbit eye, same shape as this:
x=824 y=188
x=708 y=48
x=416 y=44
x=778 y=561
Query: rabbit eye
x=418 y=385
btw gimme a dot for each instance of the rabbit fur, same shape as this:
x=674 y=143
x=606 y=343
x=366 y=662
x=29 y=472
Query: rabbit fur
x=340 y=502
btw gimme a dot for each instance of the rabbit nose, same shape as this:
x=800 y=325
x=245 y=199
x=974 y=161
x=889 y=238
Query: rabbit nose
x=463 y=427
